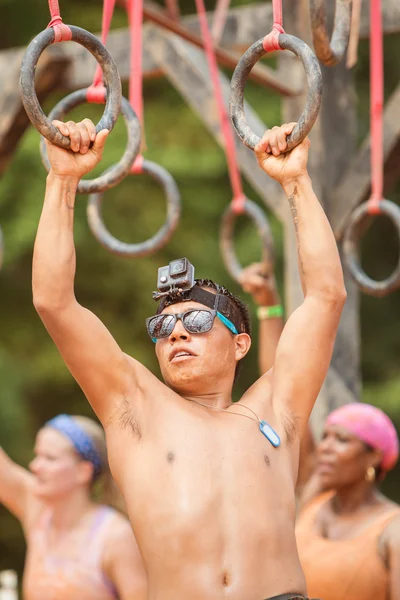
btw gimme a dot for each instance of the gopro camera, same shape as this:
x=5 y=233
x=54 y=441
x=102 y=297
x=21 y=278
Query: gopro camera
x=175 y=278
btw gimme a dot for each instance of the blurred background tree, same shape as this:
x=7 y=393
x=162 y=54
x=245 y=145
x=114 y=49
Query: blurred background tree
x=35 y=384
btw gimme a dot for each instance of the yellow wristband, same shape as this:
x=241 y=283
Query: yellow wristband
x=269 y=312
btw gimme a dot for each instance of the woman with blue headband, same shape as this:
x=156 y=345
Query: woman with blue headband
x=77 y=549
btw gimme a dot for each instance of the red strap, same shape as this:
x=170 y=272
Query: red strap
x=135 y=18
x=271 y=41
x=220 y=16
x=173 y=9
x=96 y=93
x=225 y=124
x=376 y=106
x=62 y=33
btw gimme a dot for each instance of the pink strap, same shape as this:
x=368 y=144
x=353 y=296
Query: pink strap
x=96 y=93
x=62 y=33
x=271 y=41
x=173 y=9
x=238 y=200
x=376 y=107
x=135 y=17
x=137 y=167
x=220 y=16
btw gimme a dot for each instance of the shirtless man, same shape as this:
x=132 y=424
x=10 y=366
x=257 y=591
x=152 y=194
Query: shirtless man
x=210 y=498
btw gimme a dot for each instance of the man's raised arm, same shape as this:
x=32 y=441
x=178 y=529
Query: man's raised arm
x=103 y=371
x=306 y=344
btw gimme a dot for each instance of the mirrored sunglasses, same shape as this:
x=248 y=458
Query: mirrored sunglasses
x=193 y=320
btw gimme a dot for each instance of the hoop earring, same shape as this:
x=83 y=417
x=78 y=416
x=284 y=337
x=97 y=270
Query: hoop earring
x=370 y=475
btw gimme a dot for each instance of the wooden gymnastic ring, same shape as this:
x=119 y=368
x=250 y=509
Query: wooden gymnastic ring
x=330 y=51
x=158 y=240
x=30 y=101
x=351 y=239
x=110 y=177
x=314 y=95
x=254 y=212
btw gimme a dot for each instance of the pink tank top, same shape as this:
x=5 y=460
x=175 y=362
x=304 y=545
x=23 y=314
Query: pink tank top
x=78 y=577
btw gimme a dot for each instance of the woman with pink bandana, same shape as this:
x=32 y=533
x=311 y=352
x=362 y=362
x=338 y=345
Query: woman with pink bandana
x=77 y=549
x=349 y=536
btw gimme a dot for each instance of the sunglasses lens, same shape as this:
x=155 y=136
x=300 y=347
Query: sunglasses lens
x=198 y=321
x=161 y=326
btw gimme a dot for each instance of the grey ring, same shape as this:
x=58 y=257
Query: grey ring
x=330 y=51
x=351 y=241
x=254 y=212
x=163 y=235
x=314 y=95
x=30 y=100
x=111 y=177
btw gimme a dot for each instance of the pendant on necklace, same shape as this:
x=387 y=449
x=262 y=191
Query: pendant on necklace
x=270 y=434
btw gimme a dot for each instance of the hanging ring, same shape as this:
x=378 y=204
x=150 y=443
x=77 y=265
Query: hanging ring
x=314 y=95
x=330 y=52
x=113 y=176
x=158 y=240
x=30 y=100
x=254 y=212
x=351 y=243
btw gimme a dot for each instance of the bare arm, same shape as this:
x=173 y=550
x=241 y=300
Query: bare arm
x=103 y=371
x=15 y=484
x=123 y=563
x=392 y=537
x=259 y=281
x=306 y=344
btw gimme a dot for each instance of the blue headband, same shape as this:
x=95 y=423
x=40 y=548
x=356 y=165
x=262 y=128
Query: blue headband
x=81 y=441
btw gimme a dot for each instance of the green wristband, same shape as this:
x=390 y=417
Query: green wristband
x=270 y=312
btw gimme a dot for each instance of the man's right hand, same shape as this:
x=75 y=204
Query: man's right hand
x=81 y=158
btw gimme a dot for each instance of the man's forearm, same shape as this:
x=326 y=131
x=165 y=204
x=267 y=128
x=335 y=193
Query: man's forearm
x=319 y=262
x=54 y=253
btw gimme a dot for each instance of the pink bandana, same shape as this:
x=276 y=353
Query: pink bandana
x=372 y=426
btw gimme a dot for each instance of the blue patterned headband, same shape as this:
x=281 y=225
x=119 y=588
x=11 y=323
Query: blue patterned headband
x=81 y=441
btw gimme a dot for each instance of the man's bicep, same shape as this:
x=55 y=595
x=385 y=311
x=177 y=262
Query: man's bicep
x=303 y=356
x=92 y=355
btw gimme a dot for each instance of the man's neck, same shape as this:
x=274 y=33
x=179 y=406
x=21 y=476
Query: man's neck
x=212 y=400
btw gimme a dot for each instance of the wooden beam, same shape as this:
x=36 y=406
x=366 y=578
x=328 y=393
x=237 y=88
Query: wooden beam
x=246 y=24
x=14 y=121
x=260 y=74
x=185 y=66
x=355 y=185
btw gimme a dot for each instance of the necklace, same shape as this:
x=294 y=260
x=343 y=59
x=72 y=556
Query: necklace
x=264 y=427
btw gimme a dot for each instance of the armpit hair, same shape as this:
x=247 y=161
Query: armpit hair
x=127 y=419
x=290 y=426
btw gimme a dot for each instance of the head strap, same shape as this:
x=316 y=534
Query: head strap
x=218 y=302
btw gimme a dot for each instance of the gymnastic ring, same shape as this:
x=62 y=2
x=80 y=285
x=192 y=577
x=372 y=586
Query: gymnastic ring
x=330 y=52
x=314 y=95
x=112 y=176
x=351 y=239
x=1 y=248
x=252 y=210
x=158 y=240
x=30 y=101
